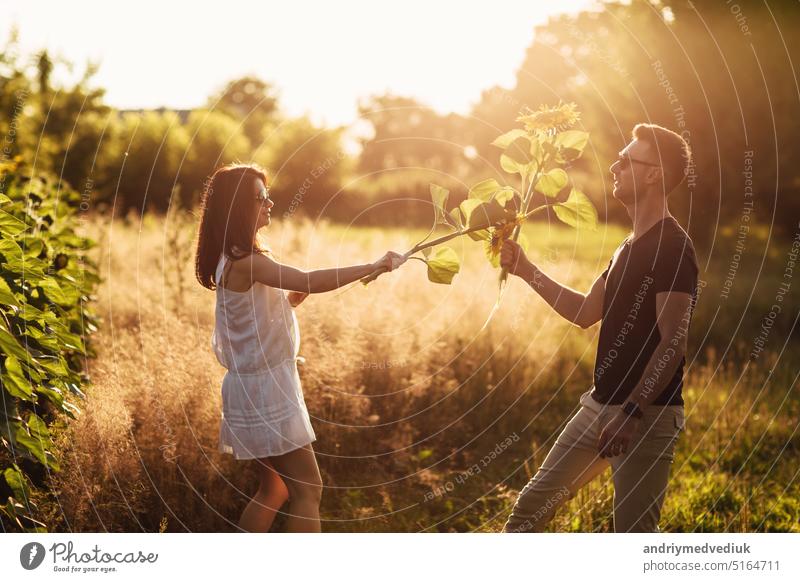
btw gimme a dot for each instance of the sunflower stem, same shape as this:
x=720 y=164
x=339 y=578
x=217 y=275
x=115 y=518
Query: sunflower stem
x=421 y=246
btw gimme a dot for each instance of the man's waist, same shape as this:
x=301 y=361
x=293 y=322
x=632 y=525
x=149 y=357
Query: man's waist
x=669 y=396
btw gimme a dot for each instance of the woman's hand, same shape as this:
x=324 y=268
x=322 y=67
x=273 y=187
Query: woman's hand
x=389 y=262
x=296 y=297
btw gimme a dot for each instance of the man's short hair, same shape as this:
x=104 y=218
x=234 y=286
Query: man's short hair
x=672 y=150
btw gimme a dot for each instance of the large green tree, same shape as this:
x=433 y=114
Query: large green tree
x=251 y=101
x=720 y=74
x=142 y=167
x=214 y=138
x=407 y=134
x=306 y=164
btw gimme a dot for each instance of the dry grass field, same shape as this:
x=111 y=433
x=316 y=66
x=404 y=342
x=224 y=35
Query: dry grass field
x=424 y=421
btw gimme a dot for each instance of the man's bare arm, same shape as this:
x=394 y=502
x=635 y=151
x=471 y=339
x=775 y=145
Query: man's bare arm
x=581 y=309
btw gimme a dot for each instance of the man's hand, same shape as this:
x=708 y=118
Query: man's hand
x=296 y=297
x=513 y=259
x=616 y=436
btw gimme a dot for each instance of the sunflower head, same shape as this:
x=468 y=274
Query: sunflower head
x=547 y=119
x=499 y=234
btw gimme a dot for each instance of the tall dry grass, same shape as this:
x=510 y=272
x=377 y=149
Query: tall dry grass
x=406 y=392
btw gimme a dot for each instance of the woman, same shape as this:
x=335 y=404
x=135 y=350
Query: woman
x=264 y=416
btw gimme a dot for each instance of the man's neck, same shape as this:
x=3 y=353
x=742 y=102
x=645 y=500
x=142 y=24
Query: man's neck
x=646 y=214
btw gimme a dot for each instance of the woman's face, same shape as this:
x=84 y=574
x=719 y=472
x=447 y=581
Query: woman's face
x=263 y=203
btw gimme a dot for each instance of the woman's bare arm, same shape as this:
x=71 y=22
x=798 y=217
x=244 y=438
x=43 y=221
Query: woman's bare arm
x=262 y=269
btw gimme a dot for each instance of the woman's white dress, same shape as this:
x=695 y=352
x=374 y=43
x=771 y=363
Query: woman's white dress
x=256 y=339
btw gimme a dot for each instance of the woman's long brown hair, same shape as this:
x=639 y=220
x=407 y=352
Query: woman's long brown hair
x=227 y=223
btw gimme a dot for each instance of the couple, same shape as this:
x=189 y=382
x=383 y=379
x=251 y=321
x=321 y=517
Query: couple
x=630 y=419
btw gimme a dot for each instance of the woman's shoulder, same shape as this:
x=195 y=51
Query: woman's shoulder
x=238 y=255
x=236 y=270
x=247 y=259
x=239 y=272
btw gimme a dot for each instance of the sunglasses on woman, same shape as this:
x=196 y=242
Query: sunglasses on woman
x=263 y=195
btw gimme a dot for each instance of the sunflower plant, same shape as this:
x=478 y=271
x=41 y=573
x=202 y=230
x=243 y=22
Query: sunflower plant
x=537 y=154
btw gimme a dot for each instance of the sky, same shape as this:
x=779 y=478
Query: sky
x=322 y=57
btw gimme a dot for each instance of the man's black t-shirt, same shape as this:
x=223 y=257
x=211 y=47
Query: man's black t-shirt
x=662 y=259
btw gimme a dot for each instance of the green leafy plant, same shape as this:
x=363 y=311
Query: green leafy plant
x=45 y=286
x=537 y=154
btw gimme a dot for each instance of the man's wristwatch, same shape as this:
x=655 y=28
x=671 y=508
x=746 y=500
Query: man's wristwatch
x=632 y=409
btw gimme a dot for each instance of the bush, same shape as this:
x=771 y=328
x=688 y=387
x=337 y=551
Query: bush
x=45 y=286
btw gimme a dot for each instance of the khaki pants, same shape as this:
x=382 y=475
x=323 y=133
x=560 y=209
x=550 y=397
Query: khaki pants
x=640 y=476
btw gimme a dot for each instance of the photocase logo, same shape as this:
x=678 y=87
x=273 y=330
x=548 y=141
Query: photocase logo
x=31 y=555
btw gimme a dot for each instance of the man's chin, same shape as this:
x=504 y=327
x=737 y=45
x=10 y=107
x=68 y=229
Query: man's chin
x=620 y=195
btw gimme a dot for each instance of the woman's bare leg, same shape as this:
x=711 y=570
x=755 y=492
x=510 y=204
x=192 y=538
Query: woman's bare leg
x=300 y=473
x=272 y=493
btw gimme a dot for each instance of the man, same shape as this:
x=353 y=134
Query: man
x=631 y=418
